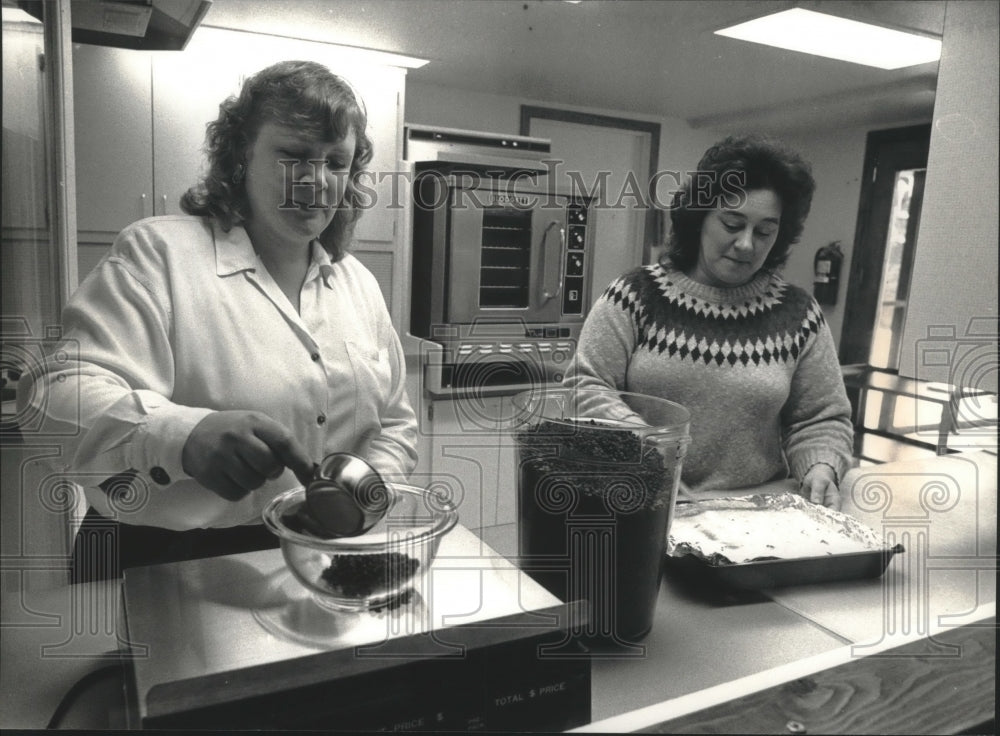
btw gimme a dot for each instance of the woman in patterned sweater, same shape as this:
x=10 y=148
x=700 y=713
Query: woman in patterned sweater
x=714 y=327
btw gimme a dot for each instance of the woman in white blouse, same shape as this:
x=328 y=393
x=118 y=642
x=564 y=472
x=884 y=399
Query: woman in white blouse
x=212 y=358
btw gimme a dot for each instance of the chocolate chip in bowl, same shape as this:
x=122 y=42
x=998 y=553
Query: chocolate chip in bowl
x=369 y=571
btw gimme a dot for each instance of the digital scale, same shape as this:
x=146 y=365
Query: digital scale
x=235 y=642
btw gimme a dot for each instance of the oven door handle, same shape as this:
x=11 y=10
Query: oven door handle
x=546 y=294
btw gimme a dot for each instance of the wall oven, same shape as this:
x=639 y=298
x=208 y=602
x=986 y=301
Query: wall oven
x=501 y=263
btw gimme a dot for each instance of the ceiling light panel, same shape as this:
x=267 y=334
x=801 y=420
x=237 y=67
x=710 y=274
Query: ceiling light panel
x=820 y=34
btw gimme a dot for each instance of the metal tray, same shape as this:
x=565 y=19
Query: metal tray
x=780 y=573
x=745 y=528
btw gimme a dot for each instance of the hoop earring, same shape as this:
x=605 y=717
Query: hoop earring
x=238 y=173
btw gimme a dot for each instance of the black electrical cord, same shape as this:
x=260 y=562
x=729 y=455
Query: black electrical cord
x=78 y=687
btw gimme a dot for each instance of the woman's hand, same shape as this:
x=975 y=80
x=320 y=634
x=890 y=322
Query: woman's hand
x=820 y=486
x=233 y=452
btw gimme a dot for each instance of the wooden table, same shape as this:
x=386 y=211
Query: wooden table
x=911 y=652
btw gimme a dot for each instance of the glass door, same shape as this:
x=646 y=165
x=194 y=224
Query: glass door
x=505 y=258
x=884 y=244
x=907 y=197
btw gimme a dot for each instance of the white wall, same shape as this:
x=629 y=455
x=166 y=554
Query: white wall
x=837 y=158
x=680 y=145
x=955 y=268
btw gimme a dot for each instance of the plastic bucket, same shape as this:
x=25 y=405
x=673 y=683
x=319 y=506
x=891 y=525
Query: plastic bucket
x=598 y=473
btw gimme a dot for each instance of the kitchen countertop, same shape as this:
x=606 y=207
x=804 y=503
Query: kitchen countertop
x=706 y=651
x=944 y=511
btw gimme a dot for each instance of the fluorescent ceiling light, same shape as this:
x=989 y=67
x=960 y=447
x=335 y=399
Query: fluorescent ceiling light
x=837 y=38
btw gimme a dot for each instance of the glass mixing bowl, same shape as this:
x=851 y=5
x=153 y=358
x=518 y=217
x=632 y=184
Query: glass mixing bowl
x=379 y=568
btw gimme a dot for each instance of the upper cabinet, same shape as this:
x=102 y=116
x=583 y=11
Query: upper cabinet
x=112 y=103
x=140 y=122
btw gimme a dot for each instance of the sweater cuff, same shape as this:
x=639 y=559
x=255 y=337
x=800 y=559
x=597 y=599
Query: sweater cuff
x=159 y=444
x=802 y=462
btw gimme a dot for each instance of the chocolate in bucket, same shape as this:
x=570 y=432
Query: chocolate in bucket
x=597 y=480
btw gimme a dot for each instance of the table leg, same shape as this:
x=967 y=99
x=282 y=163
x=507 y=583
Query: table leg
x=949 y=411
x=859 y=419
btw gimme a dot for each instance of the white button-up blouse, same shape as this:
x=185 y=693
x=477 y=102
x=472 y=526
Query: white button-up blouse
x=181 y=319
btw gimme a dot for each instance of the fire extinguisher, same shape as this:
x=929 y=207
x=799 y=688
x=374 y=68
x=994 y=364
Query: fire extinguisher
x=826 y=272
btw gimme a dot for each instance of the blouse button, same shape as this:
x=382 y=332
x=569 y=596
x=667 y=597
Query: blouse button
x=314 y=356
x=160 y=475
x=321 y=419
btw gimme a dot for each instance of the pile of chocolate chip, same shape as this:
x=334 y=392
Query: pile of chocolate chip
x=362 y=575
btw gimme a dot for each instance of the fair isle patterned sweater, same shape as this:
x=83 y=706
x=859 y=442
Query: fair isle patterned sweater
x=755 y=365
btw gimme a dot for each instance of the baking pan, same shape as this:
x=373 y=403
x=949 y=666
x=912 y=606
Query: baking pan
x=759 y=541
x=780 y=573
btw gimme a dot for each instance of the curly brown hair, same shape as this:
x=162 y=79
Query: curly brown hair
x=300 y=94
x=730 y=168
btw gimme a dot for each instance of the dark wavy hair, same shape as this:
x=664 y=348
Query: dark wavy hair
x=300 y=94
x=725 y=173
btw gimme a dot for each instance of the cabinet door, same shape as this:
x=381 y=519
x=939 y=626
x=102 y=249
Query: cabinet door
x=187 y=89
x=114 y=140
x=25 y=195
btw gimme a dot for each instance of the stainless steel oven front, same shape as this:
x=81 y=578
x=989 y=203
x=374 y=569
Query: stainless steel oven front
x=501 y=276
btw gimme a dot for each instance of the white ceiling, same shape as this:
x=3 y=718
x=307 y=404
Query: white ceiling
x=656 y=57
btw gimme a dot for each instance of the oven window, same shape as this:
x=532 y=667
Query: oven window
x=504 y=268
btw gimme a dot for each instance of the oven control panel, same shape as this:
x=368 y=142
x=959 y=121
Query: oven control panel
x=495 y=366
x=573 y=268
x=556 y=352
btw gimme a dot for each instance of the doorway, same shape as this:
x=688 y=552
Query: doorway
x=617 y=156
x=884 y=244
x=879 y=287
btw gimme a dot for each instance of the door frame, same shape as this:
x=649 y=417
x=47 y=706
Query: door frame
x=651 y=226
x=868 y=253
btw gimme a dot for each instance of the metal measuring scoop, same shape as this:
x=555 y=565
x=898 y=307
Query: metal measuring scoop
x=346 y=496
